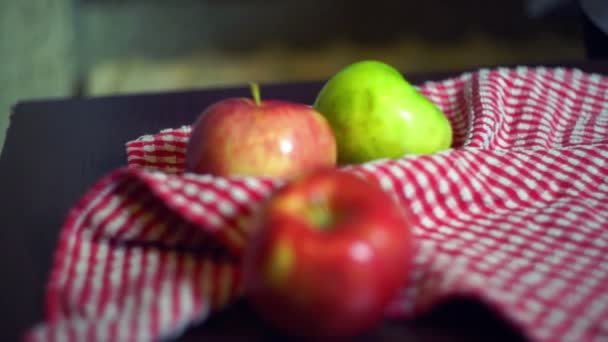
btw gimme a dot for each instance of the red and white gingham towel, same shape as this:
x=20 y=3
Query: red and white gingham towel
x=515 y=214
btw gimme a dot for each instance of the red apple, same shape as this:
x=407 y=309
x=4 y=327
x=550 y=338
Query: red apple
x=329 y=252
x=250 y=137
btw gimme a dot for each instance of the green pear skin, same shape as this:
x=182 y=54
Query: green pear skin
x=376 y=113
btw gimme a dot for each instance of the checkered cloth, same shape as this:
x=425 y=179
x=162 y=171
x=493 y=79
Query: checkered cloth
x=515 y=214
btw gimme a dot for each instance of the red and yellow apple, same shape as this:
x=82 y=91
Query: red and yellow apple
x=251 y=137
x=329 y=251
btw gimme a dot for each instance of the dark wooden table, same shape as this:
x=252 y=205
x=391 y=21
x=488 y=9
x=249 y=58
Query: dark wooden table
x=56 y=149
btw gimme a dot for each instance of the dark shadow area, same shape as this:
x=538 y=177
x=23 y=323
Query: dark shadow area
x=456 y=319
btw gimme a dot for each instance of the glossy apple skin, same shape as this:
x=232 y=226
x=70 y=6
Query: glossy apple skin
x=334 y=280
x=376 y=113
x=277 y=138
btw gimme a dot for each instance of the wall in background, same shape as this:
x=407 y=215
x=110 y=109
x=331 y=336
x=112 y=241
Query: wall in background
x=36 y=57
x=186 y=44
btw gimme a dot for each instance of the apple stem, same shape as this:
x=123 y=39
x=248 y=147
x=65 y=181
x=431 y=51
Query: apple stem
x=255 y=93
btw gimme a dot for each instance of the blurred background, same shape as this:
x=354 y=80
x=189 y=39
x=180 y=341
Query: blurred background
x=59 y=48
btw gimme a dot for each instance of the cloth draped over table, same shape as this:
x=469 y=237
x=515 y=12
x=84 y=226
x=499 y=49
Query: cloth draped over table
x=515 y=214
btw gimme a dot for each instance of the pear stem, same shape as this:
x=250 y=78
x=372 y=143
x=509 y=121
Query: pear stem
x=255 y=93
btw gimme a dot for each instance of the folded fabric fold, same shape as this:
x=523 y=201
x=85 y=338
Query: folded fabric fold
x=515 y=215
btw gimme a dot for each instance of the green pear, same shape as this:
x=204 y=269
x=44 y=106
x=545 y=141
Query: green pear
x=376 y=113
